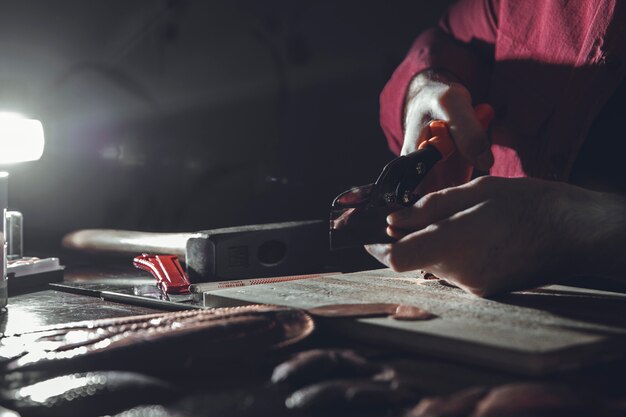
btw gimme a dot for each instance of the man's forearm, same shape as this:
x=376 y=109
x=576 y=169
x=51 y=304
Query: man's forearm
x=597 y=235
x=607 y=243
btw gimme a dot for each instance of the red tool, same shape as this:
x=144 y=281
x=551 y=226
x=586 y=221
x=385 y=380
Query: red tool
x=170 y=276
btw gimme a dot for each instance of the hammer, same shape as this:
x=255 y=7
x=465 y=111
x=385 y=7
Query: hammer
x=261 y=250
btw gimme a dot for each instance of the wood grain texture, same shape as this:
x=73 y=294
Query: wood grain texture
x=531 y=332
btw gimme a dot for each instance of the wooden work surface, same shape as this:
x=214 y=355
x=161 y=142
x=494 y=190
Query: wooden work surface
x=531 y=332
x=226 y=395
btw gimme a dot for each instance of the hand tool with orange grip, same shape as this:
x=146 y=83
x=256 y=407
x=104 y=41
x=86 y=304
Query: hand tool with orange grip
x=358 y=216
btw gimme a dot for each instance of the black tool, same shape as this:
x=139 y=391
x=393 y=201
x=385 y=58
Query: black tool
x=358 y=215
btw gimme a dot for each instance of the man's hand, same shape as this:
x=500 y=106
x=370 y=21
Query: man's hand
x=495 y=234
x=433 y=96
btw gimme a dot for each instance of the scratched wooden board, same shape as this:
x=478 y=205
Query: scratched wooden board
x=531 y=332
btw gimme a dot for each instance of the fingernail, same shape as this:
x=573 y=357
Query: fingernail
x=485 y=160
x=394 y=217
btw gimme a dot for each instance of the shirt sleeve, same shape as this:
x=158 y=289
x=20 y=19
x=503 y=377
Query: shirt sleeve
x=461 y=45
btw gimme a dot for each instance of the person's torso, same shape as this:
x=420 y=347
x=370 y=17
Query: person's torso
x=556 y=65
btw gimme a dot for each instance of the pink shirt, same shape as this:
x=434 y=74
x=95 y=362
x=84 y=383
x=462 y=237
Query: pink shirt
x=547 y=67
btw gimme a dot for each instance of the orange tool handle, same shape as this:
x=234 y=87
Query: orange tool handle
x=439 y=132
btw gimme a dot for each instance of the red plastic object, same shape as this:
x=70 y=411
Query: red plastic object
x=170 y=276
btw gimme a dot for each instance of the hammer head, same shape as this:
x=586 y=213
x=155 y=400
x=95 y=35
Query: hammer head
x=264 y=250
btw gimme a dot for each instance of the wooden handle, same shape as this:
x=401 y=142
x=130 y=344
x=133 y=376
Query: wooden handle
x=113 y=241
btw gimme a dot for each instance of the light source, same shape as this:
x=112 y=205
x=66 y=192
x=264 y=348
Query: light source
x=21 y=140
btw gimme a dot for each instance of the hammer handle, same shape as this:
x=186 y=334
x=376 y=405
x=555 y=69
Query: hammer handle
x=113 y=241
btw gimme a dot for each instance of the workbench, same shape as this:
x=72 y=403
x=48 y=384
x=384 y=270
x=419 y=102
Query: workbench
x=250 y=394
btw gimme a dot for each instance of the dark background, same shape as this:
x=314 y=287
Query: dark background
x=184 y=115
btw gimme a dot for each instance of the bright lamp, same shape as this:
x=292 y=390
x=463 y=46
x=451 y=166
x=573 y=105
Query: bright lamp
x=21 y=139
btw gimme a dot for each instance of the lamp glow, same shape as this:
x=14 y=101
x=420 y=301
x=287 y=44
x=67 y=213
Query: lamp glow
x=21 y=139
